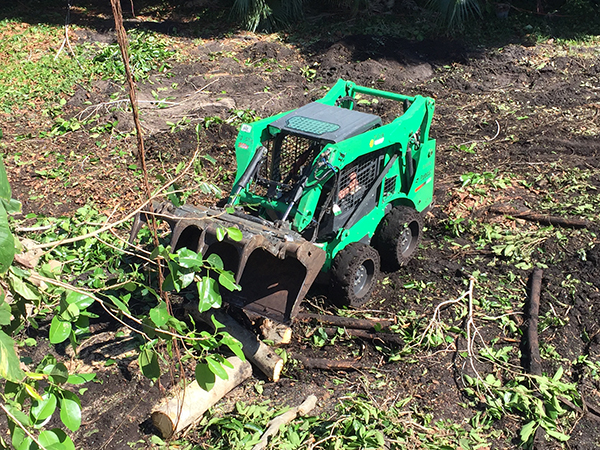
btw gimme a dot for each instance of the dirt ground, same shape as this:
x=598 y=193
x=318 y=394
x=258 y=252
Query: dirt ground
x=528 y=114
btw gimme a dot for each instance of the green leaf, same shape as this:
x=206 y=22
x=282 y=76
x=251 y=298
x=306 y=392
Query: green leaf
x=130 y=287
x=527 y=430
x=22 y=288
x=216 y=323
x=71 y=313
x=159 y=314
x=55 y=439
x=41 y=410
x=59 y=373
x=7 y=242
x=185 y=279
x=190 y=259
x=5 y=192
x=10 y=366
x=148 y=361
x=235 y=234
x=234 y=345
x=70 y=411
x=215 y=260
x=557 y=435
x=221 y=233
x=227 y=280
x=119 y=304
x=169 y=283
x=5 y=313
x=208 y=293
x=13 y=206
x=559 y=373
x=18 y=436
x=216 y=367
x=80 y=378
x=59 y=330
x=204 y=376
x=81 y=300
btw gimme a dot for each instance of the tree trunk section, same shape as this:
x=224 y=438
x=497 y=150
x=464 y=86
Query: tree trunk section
x=257 y=352
x=185 y=406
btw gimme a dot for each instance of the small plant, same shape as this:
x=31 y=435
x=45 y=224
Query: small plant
x=539 y=406
x=309 y=73
x=238 y=117
x=180 y=125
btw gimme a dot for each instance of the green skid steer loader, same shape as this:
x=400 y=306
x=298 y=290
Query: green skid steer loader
x=323 y=188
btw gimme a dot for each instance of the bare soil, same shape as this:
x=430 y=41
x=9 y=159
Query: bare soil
x=531 y=113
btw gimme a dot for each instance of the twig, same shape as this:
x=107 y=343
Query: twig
x=20 y=425
x=34 y=229
x=202 y=88
x=66 y=39
x=107 y=308
x=275 y=424
x=363 y=334
x=348 y=322
x=483 y=140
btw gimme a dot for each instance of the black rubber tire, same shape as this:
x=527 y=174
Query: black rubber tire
x=354 y=272
x=398 y=237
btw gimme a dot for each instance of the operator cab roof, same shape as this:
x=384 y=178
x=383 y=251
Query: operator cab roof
x=326 y=123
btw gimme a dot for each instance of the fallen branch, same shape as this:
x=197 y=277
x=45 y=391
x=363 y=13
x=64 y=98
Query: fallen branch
x=533 y=345
x=257 y=352
x=275 y=424
x=390 y=338
x=347 y=322
x=185 y=406
x=544 y=219
x=329 y=364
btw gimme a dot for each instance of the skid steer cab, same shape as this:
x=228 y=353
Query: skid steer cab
x=323 y=188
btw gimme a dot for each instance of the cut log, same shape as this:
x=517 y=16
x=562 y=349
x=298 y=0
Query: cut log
x=277 y=333
x=347 y=322
x=185 y=406
x=275 y=424
x=329 y=364
x=544 y=219
x=390 y=338
x=257 y=352
x=533 y=345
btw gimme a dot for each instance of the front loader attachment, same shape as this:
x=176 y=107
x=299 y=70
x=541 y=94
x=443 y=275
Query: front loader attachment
x=274 y=267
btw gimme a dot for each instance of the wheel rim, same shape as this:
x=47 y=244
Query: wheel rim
x=405 y=241
x=362 y=278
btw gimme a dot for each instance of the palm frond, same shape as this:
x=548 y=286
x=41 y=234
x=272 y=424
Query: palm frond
x=267 y=14
x=455 y=13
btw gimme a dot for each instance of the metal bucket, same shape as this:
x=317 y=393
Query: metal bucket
x=274 y=267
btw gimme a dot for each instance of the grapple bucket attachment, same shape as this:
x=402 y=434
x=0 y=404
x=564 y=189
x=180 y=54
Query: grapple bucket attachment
x=274 y=267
